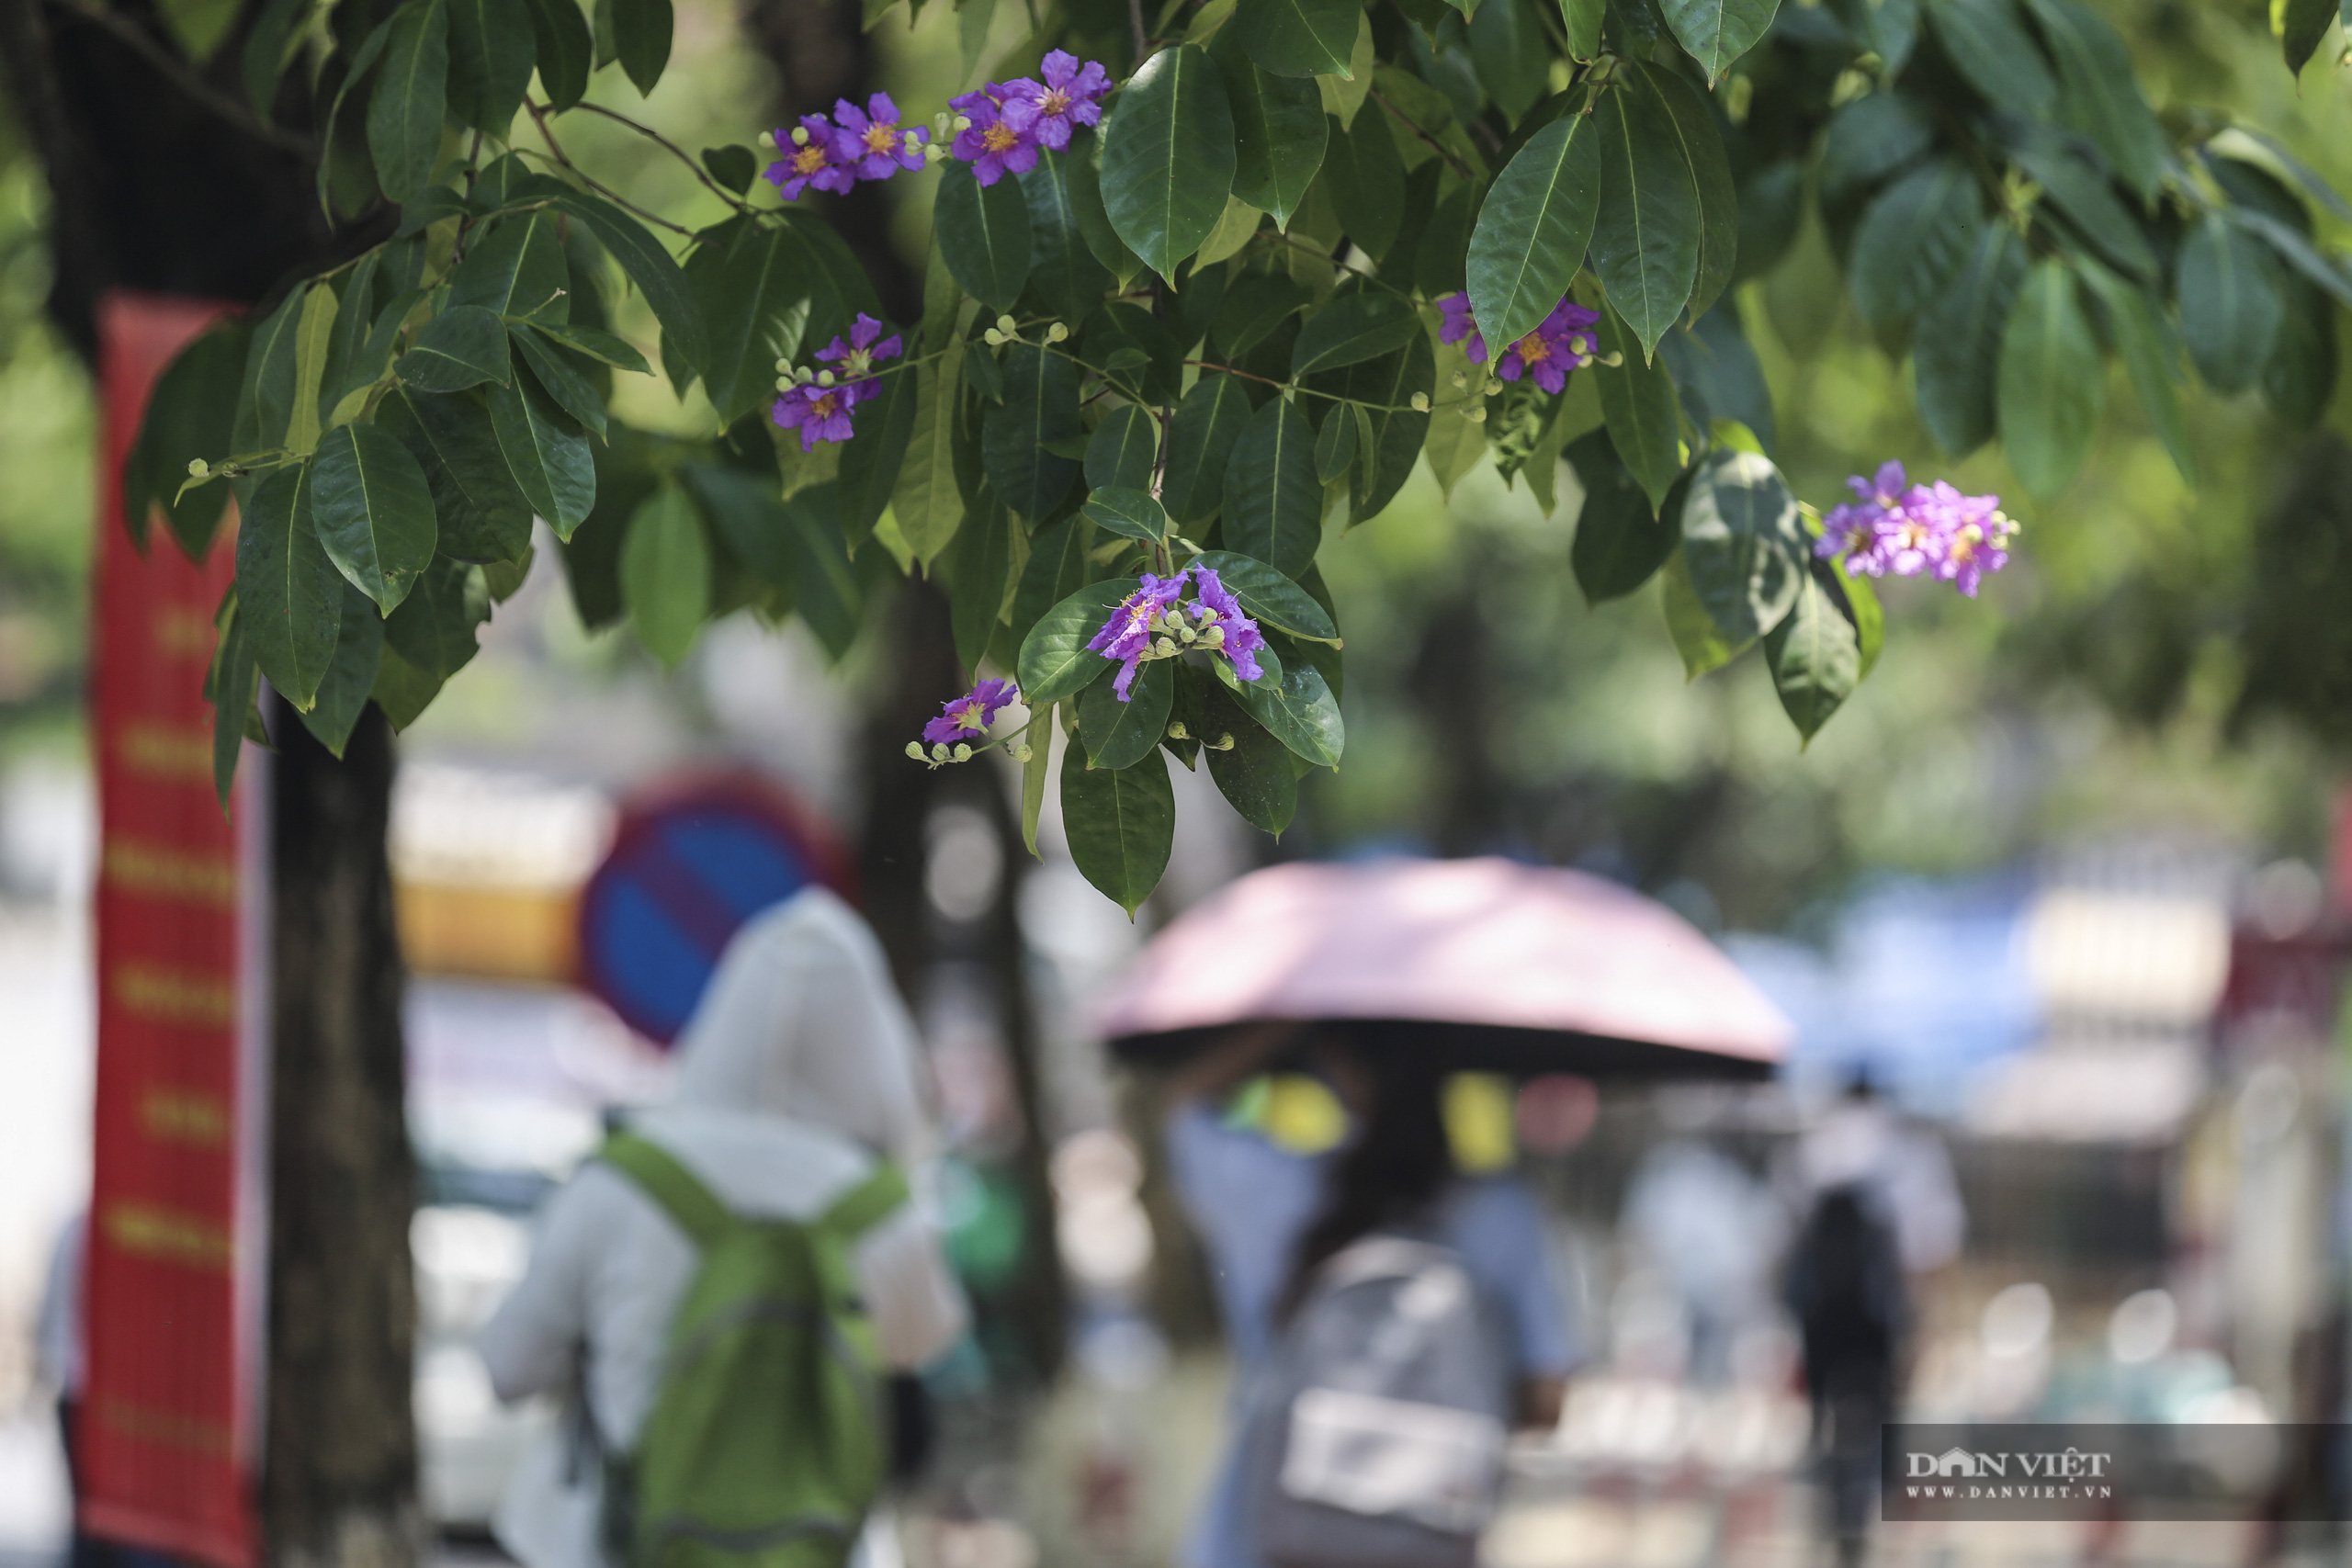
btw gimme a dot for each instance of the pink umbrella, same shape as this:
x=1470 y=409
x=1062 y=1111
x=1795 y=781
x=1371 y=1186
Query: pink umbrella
x=1504 y=967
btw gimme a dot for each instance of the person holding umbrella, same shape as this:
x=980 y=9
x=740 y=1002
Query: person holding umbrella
x=1278 y=1227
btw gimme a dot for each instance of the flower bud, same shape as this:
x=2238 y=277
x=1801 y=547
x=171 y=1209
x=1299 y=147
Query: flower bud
x=1420 y=403
x=199 y=468
x=1494 y=385
x=1023 y=751
x=1460 y=379
x=803 y=374
x=1165 y=648
x=1223 y=742
x=1177 y=731
x=963 y=752
x=1057 y=332
x=914 y=750
x=934 y=153
x=800 y=136
x=962 y=122
x=785 y=383
x=1212 y=638
x=1007 y=326
x=939 y=753
x=1186 y=633
x=911 y=139
x=1613 y=359
x=767 y=140
x=824 y=378
x=1202 y=614
x=1475 y=414
x=992 y=338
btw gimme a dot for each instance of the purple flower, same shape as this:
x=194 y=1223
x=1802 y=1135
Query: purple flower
x=967 y=717
x=1458 y=325
x=1071 y=95
x=870 y=141
x=1976 y=537
x=811 y=161
x=1127 y=635
x=858 y=356
x=1242 y=638
x=1894 y=528
x=819 y=413
x=1562 y=341
x=991 y=143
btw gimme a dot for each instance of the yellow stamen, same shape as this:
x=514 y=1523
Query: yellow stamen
x=808 y=161
x=880 y=138
x=1000 y=138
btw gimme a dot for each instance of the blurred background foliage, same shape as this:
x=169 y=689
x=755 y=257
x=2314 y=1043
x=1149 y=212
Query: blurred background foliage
x=2154 y=656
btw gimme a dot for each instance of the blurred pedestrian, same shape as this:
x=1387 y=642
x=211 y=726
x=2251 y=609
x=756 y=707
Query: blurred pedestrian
x=1880 y=1207
x=1716 y=1232
x=797 y=1079
x=1282 y=1230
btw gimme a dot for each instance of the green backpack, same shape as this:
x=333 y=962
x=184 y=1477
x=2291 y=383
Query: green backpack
x=766 y=1445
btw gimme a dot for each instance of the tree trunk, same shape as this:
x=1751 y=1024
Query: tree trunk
x=339 y=1485
x=159 y=182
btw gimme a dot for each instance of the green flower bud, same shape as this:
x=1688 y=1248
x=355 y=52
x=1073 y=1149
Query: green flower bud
x=1212 y=638
x=914 y=750
x=1165 y=648
x=962 y=122
x=782 y=365
x=1613 y=359
x=800 y=136
x=1022 y=751
x=992 y=338
x=1057 y=332
x=1494 y=385
x=963 y=752
x=785 y=383
x=1186 y=633
x=767 y=140
x=1202 y=614
x=1007 y=326
x=199 y=468
x=1177 y=731
x=1460 y=379
x=824 y=378
x=1475 y=414
x=939 y=753
x=1420 y=403
x=1224 y=744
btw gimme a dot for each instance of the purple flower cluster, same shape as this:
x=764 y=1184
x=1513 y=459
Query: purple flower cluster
x=1152 y=623
x=819 y=406
x=1562 y=341
x=1001 y=127
x=1895 y=527
x=855 y=144
x=967 y=717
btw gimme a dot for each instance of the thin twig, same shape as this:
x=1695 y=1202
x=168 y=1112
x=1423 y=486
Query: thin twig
x=1442 y=150
x=185 y=77
x=540 y=117
x=675 y=151
x=1135 y=20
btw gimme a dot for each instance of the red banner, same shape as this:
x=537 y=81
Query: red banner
x=165 y=1441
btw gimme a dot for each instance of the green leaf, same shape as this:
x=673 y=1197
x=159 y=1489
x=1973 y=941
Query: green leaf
x=546 y=452
x=734 y=166
x=2300 y=380
x=2231 y=306
x=1278 y=131
x=516 y=268
x=1743 y=542
x=1296 y=38
x=1351 y=329
x=1910 y=241
x=1956 y=353
x=1342 y=97
x=601 y=346
x=1130 y=513
x=2304 y=24
x=437 y=626
x=1054 y=661
x=1152 y=370
x=1256 y=773
x=482 y=515
x=1201 y=439
x=761 y=301
x=1582 y=19
x=313 y=336
x=2295 y=250
x=1123 y=450
x=1383 y=389
x=565 y=47
x=350 y=673
x=1989 y=44
x=642 y=30
x=1273 y=502
x=2102 y=93
x=267 y=48
x=2135 y=326
x=463 y=346
x=925 y=500
x=230 y=686
x=1696 y=636
x=1441 y=259
x=1296 y=707
x=2051 y=382
x=491 y=50
x=373 y=510
x=1637 y=401
x=980 y=571
x=665 y=574
x=1272 y=597
x=1513 y=55
x=657 y=278
x=874 y=462
x=984 y=235
x=266 y=399
x=1033 y=775
x=191 y=414
x=1365 y=179
x=1717 y=32
x=404 y=111
x=1871 y=140
x=1168 y=157
x=1040 y=405
x=1119 y=734
x=560 y=378
x=1815 y=652
x=1703 y=150
x=1057 y=567
x=1621 y=539
x=1084 y=174
x=2086 y=200
x=1645 y=234
x=1335 y=449
x=290 y=595
x=1065 y=280
x=1252 y=309
x=1121 y=824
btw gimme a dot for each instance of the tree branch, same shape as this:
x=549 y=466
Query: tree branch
x=182 y=76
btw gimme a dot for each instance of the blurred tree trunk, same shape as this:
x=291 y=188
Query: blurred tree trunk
x=822 y=52
x=159 y=182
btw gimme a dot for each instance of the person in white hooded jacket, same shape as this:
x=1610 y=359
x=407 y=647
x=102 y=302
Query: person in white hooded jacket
x=796 y=1073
